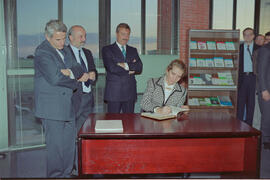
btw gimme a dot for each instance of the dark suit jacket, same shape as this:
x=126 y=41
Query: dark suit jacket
x=263 y=68
x=91 y=67
x=120 y=85
x=53 y=91
x=241 y=61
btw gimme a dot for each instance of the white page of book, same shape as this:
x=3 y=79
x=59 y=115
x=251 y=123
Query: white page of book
x=107 y=126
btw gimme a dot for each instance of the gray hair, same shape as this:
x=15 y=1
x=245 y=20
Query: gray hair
x=54 y=26
x=71 y=30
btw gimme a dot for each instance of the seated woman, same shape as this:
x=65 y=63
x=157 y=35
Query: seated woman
x=164 y=93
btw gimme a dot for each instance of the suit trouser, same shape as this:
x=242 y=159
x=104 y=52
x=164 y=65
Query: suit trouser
x=60 y=145
x=265 y=119
x=246 y=98
x=86 y=107
x=125 y=106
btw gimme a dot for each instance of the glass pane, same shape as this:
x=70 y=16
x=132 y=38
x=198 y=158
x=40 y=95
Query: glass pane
x=84 y=13
x=30 y=27
x=130 y=13
x=222 y=14
x=245 y=15
x=151 y=27
x=24 y=128
x=264 y=16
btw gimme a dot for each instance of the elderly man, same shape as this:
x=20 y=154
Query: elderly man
x=57 y=76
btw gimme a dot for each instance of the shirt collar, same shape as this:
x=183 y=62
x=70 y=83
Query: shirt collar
x=75 y=49
x=250 y=46
x=120 y=46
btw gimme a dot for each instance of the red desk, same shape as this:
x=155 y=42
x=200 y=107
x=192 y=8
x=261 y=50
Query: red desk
x=199 y=142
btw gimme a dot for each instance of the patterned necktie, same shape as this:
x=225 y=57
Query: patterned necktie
x=124 y=51
x=87 y=83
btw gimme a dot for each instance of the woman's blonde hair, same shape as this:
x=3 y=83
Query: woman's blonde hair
x=180 y=64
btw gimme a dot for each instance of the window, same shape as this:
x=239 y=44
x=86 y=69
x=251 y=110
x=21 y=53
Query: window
x=84 y=13
x=222 y=14
x=264 y=16
x=32 y=15
x=245 y=15
x=151 y=27
x=129 y=12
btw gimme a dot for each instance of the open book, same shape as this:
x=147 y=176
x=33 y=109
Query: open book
x=157 y=116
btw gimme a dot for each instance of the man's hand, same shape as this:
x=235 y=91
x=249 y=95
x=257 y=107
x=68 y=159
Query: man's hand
x=164 y=110
x=131 y=72
x=122 y=65
x=84 y=77
x=92 y=75
x=134 y=60
x=265 y=95
x=65 y=72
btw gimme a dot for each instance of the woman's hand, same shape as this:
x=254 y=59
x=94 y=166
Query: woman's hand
x=185 y=107
x=164 y=110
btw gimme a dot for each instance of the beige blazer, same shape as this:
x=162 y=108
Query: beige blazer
x=154 y=95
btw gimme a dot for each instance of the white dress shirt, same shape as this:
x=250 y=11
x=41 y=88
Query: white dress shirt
x=125 y=47
x=76 y=53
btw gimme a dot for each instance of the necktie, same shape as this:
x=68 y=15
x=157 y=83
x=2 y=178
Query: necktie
x=249 y=52
x=82 y=62
x=84 y=68
x=124 y=51
x=63 y=53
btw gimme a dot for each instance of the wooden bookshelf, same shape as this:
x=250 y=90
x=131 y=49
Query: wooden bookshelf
x=214 y=90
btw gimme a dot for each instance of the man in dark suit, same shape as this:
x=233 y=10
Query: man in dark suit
x=247 y=77
x=83 y=56
x=83 y=98
x=121 y=62
x=57 y=76
x=264 y=92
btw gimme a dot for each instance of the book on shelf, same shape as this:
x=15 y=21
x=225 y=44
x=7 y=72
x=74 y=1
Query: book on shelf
x=157 y=116
x=228 y=63
x=214 y=101
x=193 y=102
x=221 y=46
x=196 y=79
x=201 y=62
x=193 y=45
x=202 y=45
x=109 y=126
x=207 y=78
x=230 y=46
x=192 y=62
x=211 y=45
x=218 y=61
x=215 y=79
x=204 y=101
x=225 y=101
x=225 y=78
x=209 y=62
